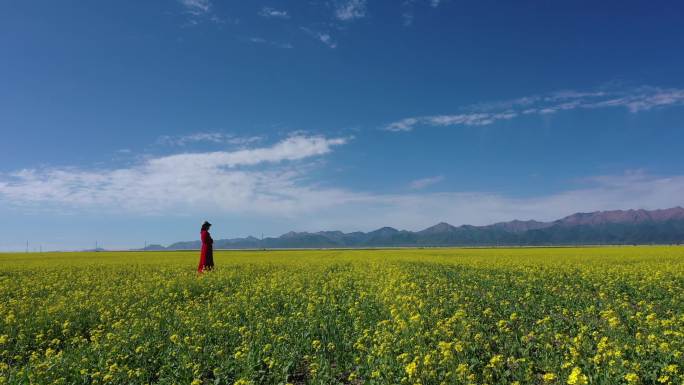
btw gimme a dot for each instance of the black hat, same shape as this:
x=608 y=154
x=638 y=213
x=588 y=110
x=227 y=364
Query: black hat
x=206 y=224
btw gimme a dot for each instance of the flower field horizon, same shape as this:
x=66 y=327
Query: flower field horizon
x=594 y=315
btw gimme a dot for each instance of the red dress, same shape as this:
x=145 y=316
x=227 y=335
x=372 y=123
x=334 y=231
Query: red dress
x=207 y=254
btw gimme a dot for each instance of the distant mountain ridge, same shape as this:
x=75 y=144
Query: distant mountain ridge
x=601 y=227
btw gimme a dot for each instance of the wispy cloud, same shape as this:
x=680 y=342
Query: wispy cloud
x=349 y=10
x=200 y=11
x=634 y=100
x=416 y=211
x=269 y=12
x=323 y=37
x=407 y=16
x=207 y=137
x=274 y=182
x=260 y=40
x=408 y=12
x=252 y=180
x=422 y=183
x=197 y=7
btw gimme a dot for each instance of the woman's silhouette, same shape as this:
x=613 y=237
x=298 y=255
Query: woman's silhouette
x=207 y=254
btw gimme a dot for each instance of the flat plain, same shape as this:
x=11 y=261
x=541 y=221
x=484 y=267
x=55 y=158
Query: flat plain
x=599 y=315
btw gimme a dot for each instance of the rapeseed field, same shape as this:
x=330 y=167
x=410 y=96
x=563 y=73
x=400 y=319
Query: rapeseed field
x=612 y=315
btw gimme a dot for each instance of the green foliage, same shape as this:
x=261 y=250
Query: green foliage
x=433 y=316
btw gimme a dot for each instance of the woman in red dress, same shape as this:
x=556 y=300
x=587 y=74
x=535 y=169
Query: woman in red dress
x=207 y=254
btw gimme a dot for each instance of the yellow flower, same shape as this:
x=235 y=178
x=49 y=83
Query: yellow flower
x=631 y=378
x=548 y=377
x=496 y=360
x=462 y=369
x=175 y=338
x=411 y=369
x=576 y=377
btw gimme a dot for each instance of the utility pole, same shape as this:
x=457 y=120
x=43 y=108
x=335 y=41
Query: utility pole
x=262 y=242
x=145 y=246
x=27 y=246
x=96 y=246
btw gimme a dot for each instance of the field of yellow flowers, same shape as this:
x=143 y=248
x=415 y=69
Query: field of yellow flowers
x=612 y=315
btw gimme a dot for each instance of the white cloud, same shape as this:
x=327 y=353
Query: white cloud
x=260 y=40
x=243 y=140
x=207 y=137
x=196 y=7
x=466 y=119
x=408 y=12
x=647 y=99
x=419 y=184
x=417 y=211
x=350 y=10
x=293 y=148
x=200 y=11
x=269 y=12
x=634 y=100
x=274 y=183
x=327 y=40
x=323 y=37
x=223 y=181
x=407 y=17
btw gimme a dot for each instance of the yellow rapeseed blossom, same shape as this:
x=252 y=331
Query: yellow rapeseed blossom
x=576 y=377
x=469 y=316
x=411 y=369
x=632 y=378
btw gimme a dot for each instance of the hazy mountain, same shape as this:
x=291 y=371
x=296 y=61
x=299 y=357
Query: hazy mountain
x=439 y=228
x=601 y=227
x=517 y=226
x=623 y=216
x=153 y=247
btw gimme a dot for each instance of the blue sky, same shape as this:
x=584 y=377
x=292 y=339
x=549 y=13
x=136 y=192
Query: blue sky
x=127 y=122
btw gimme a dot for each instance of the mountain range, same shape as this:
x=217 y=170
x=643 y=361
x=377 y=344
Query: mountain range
x=617 y=227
